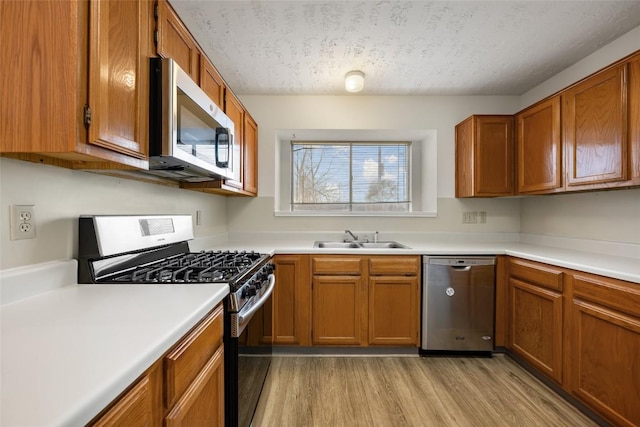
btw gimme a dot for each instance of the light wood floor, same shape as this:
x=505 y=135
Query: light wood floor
x=408 y=391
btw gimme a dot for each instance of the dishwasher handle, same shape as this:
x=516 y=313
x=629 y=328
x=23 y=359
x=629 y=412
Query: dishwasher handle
x=461 y=267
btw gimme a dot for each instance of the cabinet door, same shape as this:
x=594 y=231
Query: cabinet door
x=250 y=156
x=203 y=402
x=338 y=315
x=174 y=41
x=634 y=118
x=211 y=82
x=494 y=156
x=604 y=370
x=595 y=129
x=186 y=360
x=539 y=147
x=464 y=158
x=133 y=409
x=234 y=110
x=292 y=300
x=40 y=81
x=119 y=76
x=394 y=310
x=140 y=405
x=536 y=327
x=484 y=156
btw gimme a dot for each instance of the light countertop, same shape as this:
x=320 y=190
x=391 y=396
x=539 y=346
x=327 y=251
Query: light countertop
x=67 y=353
x=619 y=267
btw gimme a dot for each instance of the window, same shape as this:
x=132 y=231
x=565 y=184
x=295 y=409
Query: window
x=417 y=197
x=350 y=176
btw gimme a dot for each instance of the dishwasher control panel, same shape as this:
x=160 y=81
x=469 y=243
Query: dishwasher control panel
x=481 y=260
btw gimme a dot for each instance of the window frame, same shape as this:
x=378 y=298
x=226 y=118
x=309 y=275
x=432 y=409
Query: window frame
x=423 y=167
x=351 y=204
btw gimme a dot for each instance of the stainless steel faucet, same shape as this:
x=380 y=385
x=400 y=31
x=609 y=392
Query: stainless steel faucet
x=351 y=234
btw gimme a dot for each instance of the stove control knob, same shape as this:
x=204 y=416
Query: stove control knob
x=251 y=291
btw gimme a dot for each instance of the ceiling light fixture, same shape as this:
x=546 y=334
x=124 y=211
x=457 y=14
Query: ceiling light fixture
x=354 y=81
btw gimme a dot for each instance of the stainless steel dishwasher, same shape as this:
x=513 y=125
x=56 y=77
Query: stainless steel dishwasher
x=458 y=304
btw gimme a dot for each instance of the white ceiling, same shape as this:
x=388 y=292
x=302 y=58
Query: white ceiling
x=403 y=47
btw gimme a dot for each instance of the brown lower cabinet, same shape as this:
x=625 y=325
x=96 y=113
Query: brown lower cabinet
x=140 y=405
x=603 y=360
x=536 y=316
x=347 y=300
x=580 y=330
x=184 y=388
x=292 y=300
x=337 y=310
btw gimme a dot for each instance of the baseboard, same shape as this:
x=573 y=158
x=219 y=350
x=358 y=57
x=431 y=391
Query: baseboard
x=318 y=351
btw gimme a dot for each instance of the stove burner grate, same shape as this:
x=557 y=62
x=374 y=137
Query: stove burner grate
x=192 y=267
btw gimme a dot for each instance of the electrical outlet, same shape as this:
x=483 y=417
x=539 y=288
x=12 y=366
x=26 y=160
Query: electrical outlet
x=23 y=222
x=482 y=217
x=469 y=217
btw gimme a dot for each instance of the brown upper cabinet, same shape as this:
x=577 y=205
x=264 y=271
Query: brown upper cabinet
x=633 y=103
x=173 y=40
x=79 y=83
x=250 y=156
x=211 y=81
x=585 y=137
x=539 y=148
x=595 y=129
x=484 y=156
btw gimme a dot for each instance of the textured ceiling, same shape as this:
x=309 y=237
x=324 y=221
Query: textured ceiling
x=403 y=47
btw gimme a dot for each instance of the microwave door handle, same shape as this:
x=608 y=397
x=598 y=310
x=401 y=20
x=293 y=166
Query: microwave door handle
x=223 y=142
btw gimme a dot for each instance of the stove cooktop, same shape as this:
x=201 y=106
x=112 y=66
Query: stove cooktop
x=193 y=267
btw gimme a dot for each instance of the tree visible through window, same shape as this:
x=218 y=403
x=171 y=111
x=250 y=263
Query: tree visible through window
x=350 y=176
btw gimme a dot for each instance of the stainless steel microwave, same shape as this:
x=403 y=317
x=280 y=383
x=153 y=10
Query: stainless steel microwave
x=190 y=137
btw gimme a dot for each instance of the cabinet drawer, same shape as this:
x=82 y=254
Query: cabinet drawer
x=336 y=265
x=188 y=357
x=539 y=274
x=612 y=293
x=133 y=409
x=394 y=266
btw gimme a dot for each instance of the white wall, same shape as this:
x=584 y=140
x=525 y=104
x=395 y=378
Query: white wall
x=61 y=195
x=617 y=49
x=440 y=113
x=612 y=216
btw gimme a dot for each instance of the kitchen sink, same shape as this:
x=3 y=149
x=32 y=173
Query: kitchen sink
x=360 y=245
x=336 y=245
x=384 y=245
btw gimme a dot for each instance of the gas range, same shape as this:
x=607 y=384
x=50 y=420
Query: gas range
x=153 y=249
x=190 y=267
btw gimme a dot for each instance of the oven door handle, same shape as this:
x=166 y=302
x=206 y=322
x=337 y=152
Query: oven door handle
x=244 y=318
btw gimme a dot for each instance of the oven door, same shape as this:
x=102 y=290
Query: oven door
x=254 y=358
x=248 y=357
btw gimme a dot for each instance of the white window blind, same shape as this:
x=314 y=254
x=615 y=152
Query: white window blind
x=350 y=176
